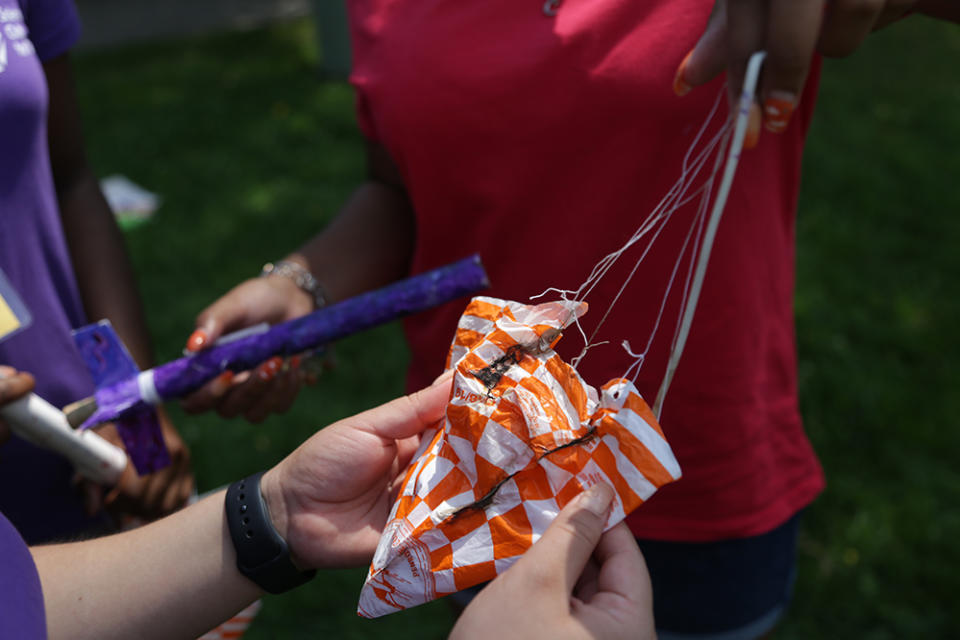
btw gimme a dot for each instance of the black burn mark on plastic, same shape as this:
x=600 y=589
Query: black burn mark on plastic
x=487 y=499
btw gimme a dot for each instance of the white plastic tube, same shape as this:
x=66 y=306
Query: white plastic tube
x=37 y=421
x=747 y=96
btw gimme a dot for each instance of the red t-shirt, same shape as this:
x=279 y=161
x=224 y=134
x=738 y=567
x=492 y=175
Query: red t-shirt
x=541 y=143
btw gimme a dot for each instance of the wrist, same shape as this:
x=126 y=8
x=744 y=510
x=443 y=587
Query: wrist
x=271 y=488
x=300 y=276
x=262 y=553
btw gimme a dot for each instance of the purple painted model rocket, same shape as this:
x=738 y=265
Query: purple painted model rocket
x=126 y=395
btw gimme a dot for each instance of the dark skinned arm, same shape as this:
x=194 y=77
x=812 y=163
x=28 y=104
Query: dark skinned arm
x=105 y=276
x=368 y=245
x=948 y=10
x=107 y=285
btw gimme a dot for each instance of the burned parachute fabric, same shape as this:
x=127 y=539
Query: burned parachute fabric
x=522 y=436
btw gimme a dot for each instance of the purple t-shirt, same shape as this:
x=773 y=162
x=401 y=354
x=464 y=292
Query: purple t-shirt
x=21 y=600
x=35 y=491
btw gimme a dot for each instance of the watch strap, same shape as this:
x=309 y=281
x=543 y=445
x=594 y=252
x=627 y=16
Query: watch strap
x=262 y=554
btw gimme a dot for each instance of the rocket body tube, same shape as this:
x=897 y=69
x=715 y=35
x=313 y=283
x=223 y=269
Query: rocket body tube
x=179 y=377
x=39 y=422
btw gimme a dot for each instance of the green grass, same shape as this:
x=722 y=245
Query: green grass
x=252 y=153
x=877 y=311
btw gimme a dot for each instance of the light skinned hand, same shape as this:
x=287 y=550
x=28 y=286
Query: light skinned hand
x=575 y=582
x=330 y=498
x=274 y=384
x=13 y=386
x=790 y=32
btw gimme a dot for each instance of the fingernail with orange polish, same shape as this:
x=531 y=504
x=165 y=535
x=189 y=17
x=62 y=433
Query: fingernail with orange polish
x=753 y=127
x=197 y=340
x=680 y=85
x=268 y=369
x=777 y=109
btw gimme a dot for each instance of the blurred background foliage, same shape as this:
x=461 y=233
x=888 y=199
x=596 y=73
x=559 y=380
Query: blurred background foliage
x=252 y=152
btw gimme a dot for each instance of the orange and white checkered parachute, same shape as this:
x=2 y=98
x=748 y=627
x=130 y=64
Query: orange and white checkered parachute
x=522 y=436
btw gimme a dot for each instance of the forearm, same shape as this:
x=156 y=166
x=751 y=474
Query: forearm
x=104 y=272
x=175 y=578
x=369 y=244
x=107 y=285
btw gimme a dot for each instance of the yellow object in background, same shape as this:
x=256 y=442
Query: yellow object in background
x=8 y=320
x=13 y=313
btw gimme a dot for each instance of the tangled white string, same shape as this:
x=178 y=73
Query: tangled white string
x=695 y=250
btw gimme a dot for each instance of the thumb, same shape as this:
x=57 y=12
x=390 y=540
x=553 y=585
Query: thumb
x=408 y=415
x=250 y=302
x=569 y=541
x=225 y=314
x=207 y=331
x=14 y=384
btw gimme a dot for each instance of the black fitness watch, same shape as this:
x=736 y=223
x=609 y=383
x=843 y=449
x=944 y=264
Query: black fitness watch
x=262 y=554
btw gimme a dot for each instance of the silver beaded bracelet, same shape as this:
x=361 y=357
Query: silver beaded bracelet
x=300 y=276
